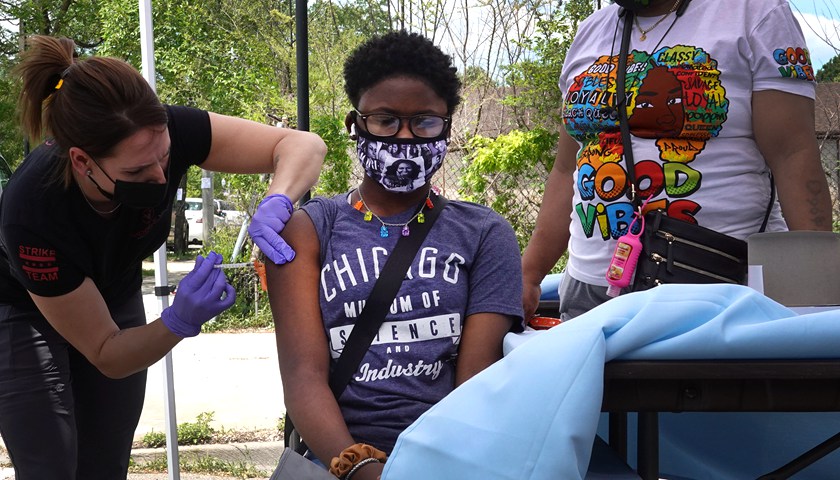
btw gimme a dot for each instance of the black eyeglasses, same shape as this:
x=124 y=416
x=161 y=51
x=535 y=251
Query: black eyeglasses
x=387 y=125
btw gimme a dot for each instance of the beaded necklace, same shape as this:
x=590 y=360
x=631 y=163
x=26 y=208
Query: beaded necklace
x=383 y=229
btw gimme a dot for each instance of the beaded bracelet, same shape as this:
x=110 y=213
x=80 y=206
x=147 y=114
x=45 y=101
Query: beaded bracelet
x=352 y=455
x=358 y=466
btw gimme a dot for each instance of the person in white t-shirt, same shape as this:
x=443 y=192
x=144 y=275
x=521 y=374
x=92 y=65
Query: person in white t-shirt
x=718 y=95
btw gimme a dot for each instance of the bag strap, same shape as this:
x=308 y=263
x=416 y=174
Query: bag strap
x=769 y=205
x=383 y=293
x=621 y=95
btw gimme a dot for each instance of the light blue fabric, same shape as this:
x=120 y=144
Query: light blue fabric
x=550 y=285
x=533 y=415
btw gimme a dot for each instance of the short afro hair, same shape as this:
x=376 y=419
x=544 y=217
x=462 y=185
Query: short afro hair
x=401 y=54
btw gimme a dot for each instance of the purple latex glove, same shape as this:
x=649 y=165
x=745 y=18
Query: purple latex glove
x=202 y=294
x=269 y=219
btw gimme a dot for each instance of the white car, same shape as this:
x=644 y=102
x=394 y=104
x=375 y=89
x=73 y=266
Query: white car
x=193 y=211
x=230 y=216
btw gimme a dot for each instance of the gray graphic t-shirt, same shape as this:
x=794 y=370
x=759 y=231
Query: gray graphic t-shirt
x=469 y=263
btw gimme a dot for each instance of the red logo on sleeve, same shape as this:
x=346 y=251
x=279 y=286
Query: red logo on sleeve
x=38 y=263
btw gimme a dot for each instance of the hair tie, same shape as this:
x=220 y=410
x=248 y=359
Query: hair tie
x=59 y=84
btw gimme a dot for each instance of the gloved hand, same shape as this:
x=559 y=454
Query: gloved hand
x=202 y=294
x=269 y=219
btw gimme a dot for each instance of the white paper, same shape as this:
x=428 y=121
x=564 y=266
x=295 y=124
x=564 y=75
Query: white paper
x=755 y=278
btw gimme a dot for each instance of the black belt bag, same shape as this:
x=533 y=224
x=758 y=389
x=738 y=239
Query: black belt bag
x=674 y=251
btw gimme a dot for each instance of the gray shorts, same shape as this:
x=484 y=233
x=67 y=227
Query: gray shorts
x=577 y=298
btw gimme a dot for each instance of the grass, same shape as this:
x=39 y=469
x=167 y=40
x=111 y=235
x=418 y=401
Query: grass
x=189 y=433
x=201 y=432
x=199 y=464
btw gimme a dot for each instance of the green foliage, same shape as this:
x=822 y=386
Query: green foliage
x=508 y=174
x=11 y=140
x=533 y=81
x=241 y=320
x=200 y=464
x=154 y=439
x=198 y=432
x=328 y=21
x=76 y=19
x=250 y=312
x=338 y=164
x=830 y=71
x=189 y=433
x=231 y=56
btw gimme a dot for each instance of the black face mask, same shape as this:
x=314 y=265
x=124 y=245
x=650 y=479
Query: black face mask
x=632 y=4
x=134 y=194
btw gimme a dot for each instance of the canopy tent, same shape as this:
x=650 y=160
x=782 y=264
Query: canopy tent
x=161 y=275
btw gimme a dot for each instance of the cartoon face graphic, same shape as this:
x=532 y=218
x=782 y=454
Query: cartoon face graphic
x=659 y=111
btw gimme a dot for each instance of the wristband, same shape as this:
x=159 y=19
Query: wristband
x=351 y=456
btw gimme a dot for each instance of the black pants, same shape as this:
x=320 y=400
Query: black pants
x=60 y=418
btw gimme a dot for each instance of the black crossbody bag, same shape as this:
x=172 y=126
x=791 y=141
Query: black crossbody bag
x=373 y=314
x=675 y=251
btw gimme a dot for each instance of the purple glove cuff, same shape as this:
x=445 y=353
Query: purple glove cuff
x=176 y=326
x=271 y=216
x=286 y=201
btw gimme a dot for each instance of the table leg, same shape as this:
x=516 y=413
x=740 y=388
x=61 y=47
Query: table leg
x=648 y=446
x=618 y=433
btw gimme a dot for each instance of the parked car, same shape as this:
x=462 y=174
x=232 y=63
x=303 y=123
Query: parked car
x=194 y=213
x=230 y=215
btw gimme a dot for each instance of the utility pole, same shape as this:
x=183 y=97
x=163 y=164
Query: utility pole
x=302 y=57
x=22 y=47
x=208 y=206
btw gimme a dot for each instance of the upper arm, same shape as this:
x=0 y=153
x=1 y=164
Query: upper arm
x=783 y=125
x=559 y=190
x=81 y=317
x=293 y=291
x=567 y=148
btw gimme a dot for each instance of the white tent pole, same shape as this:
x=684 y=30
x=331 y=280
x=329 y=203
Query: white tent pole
x=147 y=49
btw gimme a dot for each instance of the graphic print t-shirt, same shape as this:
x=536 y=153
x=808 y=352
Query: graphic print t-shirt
x=469 y=263
x=689 y=107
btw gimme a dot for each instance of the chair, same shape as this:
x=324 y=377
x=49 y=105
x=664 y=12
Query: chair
x=800 y=268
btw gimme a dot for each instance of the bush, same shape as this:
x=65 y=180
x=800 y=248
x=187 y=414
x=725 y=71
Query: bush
x=197 y=433
x=251 y=308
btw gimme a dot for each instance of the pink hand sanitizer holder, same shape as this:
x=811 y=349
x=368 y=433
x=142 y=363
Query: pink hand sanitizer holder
x=628 y=247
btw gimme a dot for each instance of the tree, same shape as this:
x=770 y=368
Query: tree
x=508 y=172
x=534 y=94
x=830 y=71
x=45 y=17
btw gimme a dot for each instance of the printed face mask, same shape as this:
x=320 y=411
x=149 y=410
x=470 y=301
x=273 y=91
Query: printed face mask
x=133 y=194
x=400 y=165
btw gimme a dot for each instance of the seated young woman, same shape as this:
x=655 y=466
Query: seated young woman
x=461 y=293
